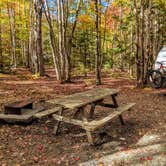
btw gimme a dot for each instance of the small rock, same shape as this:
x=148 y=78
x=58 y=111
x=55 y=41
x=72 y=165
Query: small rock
x=122 y=139
x=21 y=154
x=15 y=154
x=111 y=145
x=48 y=121
x=79 y=135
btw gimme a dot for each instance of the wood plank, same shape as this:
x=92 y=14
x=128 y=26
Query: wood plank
x=91 y=126
x=68 y=120
x=47 y=112
x=88 y=133
x=56 y=127
x=32 y=111
x=107 y=105
x=81 y=99
x=16 y=118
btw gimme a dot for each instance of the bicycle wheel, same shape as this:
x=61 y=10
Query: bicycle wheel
x=155 y=79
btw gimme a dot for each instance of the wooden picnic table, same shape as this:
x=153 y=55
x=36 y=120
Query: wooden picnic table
x=78 y=101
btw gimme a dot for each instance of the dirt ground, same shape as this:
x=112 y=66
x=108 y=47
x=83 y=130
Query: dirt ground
x=35 y=144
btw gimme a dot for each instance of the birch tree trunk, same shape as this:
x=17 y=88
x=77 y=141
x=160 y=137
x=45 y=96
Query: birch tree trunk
x=38 y=35
x=32 y=44
x=65 y=42
x=53 y=43
x=26 y=42
x=61 y=37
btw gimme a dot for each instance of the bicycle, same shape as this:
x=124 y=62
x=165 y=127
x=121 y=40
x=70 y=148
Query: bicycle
x=157 y=78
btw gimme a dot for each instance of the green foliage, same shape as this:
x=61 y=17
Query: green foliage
x=108 y=65
x=117 y=26
x=116 y=50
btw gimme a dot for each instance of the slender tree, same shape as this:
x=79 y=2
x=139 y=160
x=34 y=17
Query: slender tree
x=1 y=53
x=11 y=14
x=38 y=5
x=53 y=42
x=32 y=44
x=98 y=42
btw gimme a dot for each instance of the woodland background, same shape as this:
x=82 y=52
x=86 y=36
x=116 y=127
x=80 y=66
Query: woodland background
x=79 y=36
x=46 y=43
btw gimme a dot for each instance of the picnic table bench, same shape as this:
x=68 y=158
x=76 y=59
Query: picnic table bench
x=77 y=103
x=20 y=111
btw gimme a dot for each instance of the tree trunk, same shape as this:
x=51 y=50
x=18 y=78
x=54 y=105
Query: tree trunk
x=65 y=42
x=61 y=37
x=142 y=80
x=11 y=14
x=53 y=43
x=38 y=35
x=1 y=52
x=70 y=43
x=121 y=36
x=98 y=44
x=148 y=52
x=32 y=44
x=26 y=42
x=137 y=32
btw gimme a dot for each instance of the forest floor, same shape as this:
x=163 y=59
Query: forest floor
x=35 y=144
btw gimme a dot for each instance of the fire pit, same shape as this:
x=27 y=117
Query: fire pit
x=19 y=107
x=21 y=111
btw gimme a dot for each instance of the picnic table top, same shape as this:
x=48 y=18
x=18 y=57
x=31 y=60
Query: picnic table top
x=83 y=98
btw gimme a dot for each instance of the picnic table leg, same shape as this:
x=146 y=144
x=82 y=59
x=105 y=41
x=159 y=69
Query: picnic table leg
x=56 y=127
x=121 y=120
x=92 y=109
x=114 y=100
x=76 y=114
x=88 y=133
x=93 y=106
x=116 y=105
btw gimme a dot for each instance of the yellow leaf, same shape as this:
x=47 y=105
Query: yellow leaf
x=17 y=165
x=101 y=164
x=148 y=89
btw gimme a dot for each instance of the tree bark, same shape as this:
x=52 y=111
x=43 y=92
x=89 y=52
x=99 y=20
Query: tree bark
x=11 y=14
x=70 y=43
x=98 y=44
x=61 y=37
x=137 y=32
x=148 y=51
x=65 y=42
x=1 y=52
x=142 y=80
x=32 y=44
x=38 y=5
x=121 y=36
x=53 y=43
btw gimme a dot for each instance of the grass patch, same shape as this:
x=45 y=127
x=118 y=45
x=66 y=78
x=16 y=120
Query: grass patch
x=1 y=75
